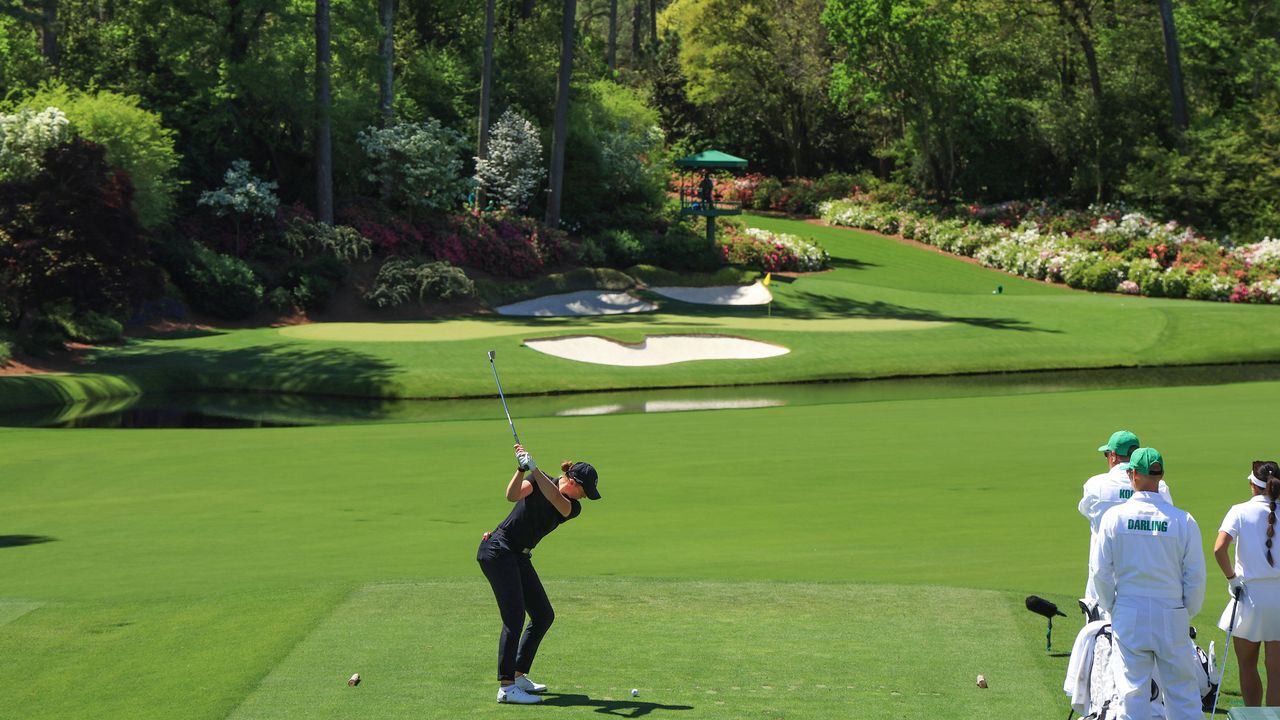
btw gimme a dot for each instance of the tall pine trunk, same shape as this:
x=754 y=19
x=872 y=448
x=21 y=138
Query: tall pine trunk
x=324 y=140
x=1172 y=56
x=387 y=51
x=486 y=88
x=613 y=35
x=653 y=24
x=560 y=127
x=637 y=22
x=49 y=31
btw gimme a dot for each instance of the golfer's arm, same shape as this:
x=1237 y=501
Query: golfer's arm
x=1221 y=549
x=518 y=489
x=551 y=492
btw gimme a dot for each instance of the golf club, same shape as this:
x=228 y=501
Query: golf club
x=504 y=397
x=1226 y=654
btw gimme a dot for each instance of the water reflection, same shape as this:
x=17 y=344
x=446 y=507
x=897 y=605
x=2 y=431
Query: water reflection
x=242 y=410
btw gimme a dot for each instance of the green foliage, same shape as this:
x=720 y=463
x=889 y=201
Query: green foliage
x=136 y=141
x=6 y=347
x=401 y=281
x=88 y=327
x=1225 y=175
x=420 y=162
x=220 y=285
x=67 y=235
x=307 y=239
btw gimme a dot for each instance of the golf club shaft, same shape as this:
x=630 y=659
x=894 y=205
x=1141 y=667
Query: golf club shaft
x=494 y=367
x=1226 y=655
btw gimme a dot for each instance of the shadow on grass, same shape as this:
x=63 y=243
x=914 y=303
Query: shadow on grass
x=621 y=708
x=8 y=541
x=814 y=306
x=268 y=368
x=842 y=263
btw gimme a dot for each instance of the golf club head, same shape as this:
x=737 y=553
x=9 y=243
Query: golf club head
x=1040 y=606
x=491 y=356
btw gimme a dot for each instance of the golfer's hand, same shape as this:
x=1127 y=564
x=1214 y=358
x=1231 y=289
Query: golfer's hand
x=524 y=459
x=1235 y=586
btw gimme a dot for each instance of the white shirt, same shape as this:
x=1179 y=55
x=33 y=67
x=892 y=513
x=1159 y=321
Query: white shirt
x=1247 y=523
x=1105 y=491
x=1149 y=548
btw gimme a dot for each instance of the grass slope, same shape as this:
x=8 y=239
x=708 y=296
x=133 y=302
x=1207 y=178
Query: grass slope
x=192 y=573
x=887 y=309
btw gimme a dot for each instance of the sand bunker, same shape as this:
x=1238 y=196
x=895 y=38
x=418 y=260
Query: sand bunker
x=656 y=349
x=661 y=406
x=586 y=302
x=756 y=294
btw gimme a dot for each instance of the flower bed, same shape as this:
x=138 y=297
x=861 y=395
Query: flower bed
x=769 y=252
x=1104 y=250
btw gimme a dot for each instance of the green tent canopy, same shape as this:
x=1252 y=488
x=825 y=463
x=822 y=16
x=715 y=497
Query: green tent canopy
x=712 y=160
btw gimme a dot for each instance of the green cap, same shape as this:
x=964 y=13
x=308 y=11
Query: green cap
x=1146 y=461
x=1122 y=443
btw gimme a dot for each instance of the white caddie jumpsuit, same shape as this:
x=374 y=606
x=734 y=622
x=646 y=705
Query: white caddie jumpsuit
x=1150 y=578
x=1101 y=493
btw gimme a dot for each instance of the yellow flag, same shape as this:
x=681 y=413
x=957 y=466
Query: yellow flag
x=767 y=278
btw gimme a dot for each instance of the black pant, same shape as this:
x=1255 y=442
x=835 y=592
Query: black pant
x=518 y=591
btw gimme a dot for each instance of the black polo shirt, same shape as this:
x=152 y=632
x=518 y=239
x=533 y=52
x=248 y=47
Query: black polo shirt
x=532 y=519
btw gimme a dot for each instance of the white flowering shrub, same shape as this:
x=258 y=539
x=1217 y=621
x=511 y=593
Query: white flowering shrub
x=420 y=162
x=242 y=194
x=1266 y=252
x=24 y=138
x=514 y=169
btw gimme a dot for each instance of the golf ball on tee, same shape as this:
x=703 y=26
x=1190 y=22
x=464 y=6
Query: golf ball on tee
x=635 y=692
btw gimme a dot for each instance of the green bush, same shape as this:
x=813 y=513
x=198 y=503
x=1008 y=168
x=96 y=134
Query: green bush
x=6 y=348
x=309 y=284
x=1207 y=286
x=88 y=327
x=1174 y=283
x=134 y=137
x=1148 y=274
x=308 y=239
x=215 y=284
x=1101 y=274
x=768 y=194
x=400 y=281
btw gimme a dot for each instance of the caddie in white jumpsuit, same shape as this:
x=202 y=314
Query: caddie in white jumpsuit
x=1105 y=491
x=1150 y=578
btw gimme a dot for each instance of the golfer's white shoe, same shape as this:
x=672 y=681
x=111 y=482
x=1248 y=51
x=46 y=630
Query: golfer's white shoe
x=524 y=683
x=516 y=694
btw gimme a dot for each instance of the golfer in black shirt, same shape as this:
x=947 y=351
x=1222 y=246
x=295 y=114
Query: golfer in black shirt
x=505 y=556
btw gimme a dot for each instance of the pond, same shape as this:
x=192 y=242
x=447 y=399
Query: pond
x=245 y=410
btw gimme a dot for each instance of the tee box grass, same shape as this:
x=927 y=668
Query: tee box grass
x=863 y=560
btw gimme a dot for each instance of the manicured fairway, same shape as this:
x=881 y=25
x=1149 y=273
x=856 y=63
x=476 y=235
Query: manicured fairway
x=872 y=548
x=886 y=309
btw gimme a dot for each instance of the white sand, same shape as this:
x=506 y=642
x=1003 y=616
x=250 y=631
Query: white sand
x=656 y=349
x=661 y=406
x=755 y=294
x=586 y=302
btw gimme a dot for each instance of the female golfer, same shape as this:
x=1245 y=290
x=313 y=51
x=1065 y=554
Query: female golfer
x=1257 y=573
x=505 y=556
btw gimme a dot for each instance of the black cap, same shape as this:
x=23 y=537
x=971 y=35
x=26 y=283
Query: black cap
x=585 y=475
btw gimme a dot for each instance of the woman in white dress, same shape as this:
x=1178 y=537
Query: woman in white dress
x=1255 y=579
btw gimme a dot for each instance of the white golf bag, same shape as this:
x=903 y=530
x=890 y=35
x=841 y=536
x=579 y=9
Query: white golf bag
x=1091 y=681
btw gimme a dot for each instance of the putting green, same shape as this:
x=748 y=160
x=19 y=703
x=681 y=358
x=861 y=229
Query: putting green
x=479 y=329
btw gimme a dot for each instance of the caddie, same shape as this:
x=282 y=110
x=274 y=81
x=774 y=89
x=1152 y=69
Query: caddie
x=1150 y=579
x=1103 y=492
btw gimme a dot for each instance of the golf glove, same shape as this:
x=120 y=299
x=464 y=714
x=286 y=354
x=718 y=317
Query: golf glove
x=1235 y=585
x=526 y=462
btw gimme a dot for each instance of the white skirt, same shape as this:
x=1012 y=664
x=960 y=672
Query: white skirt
x=1258 y=617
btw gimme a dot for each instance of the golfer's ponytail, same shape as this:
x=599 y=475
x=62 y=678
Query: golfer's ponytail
x=564 y=468
x=1273 y=493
